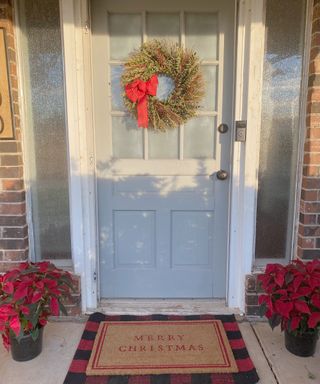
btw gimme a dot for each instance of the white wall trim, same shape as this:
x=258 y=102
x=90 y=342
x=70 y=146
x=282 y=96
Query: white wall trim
x=249 y=70
x=81 y=158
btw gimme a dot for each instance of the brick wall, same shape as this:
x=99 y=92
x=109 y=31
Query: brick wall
x=309 y=221
x=13 y=226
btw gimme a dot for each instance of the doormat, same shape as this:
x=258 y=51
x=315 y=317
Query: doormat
x=158 y=347
x=246 y=372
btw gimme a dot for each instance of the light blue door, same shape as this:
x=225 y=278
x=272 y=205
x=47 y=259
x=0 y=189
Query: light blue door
x=163 y=214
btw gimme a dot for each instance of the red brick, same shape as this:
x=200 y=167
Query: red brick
x=12 y=185
x=13 y=221
x=14 y=232
x=9 y=147
x=312 y=146
x=313 y=121
x=311 y=158
x=299 y=252
x=311 y=231
x=312 y=207
x=7 y=266
x=11 y=172
x=315 y=40
x=309 y=195
x=311 y=170
x=306 y=242
x=307 y=219
x=16 y=255
x=314 y=93
x=314 y=67
x=13 y=244
x=310 y=183
x=8 y=160
x=13 y=209
x=313 y=133
x=12 y=197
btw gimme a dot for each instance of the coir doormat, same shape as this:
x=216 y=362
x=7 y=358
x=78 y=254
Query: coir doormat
x=246 y=372
x=158 y=347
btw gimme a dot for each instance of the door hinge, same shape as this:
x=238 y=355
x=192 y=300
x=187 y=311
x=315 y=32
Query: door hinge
x=241 y=130
x=94 y=276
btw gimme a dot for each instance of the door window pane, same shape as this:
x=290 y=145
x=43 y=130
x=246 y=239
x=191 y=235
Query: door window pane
x=116 y=88
x=163 y=145
x=199 y=138
x=202 y=34
x=45 y=130
x=279 y=127
x=209 y=102
x=125 y=31
x=126 y=138
x=163 y=26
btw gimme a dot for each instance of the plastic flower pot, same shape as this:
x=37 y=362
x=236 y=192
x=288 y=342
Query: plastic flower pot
x=27 y=348
x=301 y=345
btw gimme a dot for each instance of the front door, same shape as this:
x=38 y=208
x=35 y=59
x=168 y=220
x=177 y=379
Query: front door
x=163 y=213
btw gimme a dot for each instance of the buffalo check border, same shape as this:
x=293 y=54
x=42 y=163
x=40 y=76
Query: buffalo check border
x=246 y=375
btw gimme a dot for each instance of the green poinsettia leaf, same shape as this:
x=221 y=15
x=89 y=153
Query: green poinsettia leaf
x=63 y=309
x=262 y=309
x=274 y=321
x=67 y=281
x=35 y=334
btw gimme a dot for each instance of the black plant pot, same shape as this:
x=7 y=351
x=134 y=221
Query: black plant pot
x=301 y=345
x=27 y=348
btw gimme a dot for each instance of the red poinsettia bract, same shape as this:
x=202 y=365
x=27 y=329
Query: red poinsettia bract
x=292 y=295
x=29 y=294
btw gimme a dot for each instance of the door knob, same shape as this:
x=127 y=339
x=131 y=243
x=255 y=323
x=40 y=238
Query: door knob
x=222 y=175
x=223 y=128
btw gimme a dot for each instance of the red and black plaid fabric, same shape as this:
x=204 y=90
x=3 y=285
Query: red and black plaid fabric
x=246 y=375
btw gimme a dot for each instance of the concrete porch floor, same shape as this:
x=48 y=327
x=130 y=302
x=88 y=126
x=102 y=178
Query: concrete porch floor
x=273 y=362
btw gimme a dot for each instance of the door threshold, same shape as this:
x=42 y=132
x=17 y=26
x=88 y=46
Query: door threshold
x=165 y=307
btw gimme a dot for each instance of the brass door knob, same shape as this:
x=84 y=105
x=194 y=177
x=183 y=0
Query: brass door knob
x=222 y=175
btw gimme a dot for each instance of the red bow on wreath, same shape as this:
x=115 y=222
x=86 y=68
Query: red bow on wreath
x=137 y=91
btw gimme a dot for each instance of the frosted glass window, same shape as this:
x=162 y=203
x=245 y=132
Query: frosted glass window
x=125 y=32
x=116 y=88
x=199 y=138
x=126 y=138
x=209 y=102
x=279 y=127
x=202 y=34
x=45 y=130
x=163 y=26
x=163 y=145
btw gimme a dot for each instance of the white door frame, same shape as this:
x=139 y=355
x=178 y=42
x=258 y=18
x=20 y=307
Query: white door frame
x=77 y=57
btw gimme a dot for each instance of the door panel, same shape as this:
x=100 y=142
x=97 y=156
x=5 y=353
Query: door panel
x=163 y=220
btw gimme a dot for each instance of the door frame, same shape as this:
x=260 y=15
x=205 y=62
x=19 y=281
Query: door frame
x=76 y=37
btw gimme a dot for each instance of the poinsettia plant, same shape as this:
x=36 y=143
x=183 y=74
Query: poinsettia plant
x=29 y=294
x=292 y=296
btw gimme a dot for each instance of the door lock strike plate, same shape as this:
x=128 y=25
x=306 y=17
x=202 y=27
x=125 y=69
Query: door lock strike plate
x=241 y=130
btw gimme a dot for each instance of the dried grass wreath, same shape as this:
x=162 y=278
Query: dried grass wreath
x=158 y=58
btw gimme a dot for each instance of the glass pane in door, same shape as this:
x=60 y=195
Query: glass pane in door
x=125 y=31
x=202 y=34
x=163 y=26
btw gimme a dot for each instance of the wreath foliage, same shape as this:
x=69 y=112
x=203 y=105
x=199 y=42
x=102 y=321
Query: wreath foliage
x=158 y=57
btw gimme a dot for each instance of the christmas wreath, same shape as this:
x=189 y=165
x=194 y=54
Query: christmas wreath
x=140 y=80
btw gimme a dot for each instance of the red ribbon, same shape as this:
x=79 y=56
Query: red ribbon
x=138 y=91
